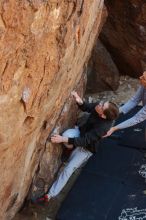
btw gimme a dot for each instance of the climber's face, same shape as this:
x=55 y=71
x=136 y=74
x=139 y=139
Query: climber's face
x=143 y=79
x=101 y=107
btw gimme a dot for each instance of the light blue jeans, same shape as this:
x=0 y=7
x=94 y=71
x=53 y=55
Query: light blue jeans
x=77 y=158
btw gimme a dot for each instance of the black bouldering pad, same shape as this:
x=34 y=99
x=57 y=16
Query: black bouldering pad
x=109 y=186
x=116 y=161
x=106 y=186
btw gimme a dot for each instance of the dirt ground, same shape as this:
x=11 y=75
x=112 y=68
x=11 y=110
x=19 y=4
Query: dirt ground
x=126 y=89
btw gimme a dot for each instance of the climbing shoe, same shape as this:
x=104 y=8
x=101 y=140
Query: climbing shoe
x=41 y=200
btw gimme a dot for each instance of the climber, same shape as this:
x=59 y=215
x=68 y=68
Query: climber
x=140 y=116
x=84 y=140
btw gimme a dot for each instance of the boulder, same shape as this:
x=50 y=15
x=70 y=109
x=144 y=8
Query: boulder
x=44 y=50
x=124 y=35
x=102 y=72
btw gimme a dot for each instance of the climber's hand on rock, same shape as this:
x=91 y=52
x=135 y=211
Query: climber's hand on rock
x=77 y=97
x=56 y=138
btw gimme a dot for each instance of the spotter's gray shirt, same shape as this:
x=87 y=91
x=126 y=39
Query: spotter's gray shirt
x=140 y=116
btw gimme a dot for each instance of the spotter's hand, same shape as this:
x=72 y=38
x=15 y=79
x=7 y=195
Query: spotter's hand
x=113 y=129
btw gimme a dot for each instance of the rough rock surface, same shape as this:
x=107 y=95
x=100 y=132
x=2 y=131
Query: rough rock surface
x=103 y=73
x=124 y=35
x=44 y=49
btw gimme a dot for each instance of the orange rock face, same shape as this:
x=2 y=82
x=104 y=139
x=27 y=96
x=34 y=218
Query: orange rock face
x=44 y=49
x=124 y=35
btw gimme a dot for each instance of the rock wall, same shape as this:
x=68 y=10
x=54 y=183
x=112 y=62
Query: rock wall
x=44 y=49
x=124 y=35
x=44 y=176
